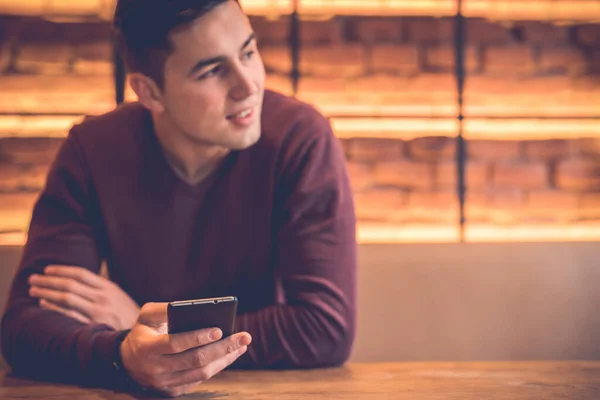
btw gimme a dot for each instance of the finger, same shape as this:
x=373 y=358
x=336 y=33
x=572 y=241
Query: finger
x=174 y=344
x=199 y=357
x=45 y=304
x=199 y=375
x=63 y=285
x=153 y=314
x=63 y=299
x=80 y=274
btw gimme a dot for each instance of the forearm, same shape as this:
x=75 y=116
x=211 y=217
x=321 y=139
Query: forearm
x=46 y=345
x=301 y=336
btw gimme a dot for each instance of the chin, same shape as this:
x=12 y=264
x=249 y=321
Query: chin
x=249 y=139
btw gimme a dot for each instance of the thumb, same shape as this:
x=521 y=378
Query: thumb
x=153 y=315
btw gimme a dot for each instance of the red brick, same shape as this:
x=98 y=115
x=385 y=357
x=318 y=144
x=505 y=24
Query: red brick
x=10 y=202
x=373 y=29
x=555 y=201
x=594 y=62
x=378 y=204
x=5 y=55
x=442 y=57
x=566 y=60
x=493 y=150
x=321 y=32
x=509 y=198
x=15 y=177
x=476 y=175
x=434 y=206
x=430 y=30
x=590 y=205
x=536 y=32
x=94 y=51
x=484 y=31
x=508 y=60
x=271 y=31
x=84 y=32
x=405 y=174
x=587 y=146
x=10 y=177
x=361 y=175
x=525 y=175
x=15 y=210
x=402 y=59
x=30 y=150
x=38 y=30
x=588 y=35
x=506 y=85
x=325 y=61
x=44 y=58
x=578 y=174
x=432 y=148
x=279 y=83
x=435 y=88
x=277 y=59
x=375 y=149
x=498 y=206
x=35 y=177
x=547 y=150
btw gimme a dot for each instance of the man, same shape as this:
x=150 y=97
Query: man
x=208 y=186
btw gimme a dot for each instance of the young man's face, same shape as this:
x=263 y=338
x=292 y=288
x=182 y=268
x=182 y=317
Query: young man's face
x=214 y=80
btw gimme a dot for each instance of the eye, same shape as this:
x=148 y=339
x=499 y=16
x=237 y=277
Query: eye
x=249 y=54
x=212 y=72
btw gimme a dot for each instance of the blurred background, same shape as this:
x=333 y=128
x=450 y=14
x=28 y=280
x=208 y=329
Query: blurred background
x=477 y=183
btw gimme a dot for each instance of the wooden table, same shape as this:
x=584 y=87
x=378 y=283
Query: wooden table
x=524 y=380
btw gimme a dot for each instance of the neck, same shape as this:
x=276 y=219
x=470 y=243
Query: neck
x=191 y=161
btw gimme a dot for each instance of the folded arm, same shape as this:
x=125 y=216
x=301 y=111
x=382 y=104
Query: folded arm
x=42 y=343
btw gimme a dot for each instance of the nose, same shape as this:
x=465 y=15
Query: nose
x=243 y=84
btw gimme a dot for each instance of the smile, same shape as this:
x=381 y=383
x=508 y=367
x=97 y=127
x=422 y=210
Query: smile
x=242 y=114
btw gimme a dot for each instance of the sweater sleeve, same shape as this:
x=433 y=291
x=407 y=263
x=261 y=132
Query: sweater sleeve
x=43 y=344
x=313 y=323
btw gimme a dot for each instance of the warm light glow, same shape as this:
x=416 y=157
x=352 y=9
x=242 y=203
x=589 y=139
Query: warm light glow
x=13 y=239
x=553 y=10
x=389 y=128
x=474 y=233
x=474 y=129
x=383 y=128
x=374 y=234
x=531 y=129
x=36 y=126
x=533 y=233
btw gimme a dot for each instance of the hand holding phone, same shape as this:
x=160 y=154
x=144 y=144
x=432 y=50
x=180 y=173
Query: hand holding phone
x=174 y=364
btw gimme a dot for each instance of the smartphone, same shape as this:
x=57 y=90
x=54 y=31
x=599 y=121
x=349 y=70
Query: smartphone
x=190 y=315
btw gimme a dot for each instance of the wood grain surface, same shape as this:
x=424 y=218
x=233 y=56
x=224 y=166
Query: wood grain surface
x=489 y=380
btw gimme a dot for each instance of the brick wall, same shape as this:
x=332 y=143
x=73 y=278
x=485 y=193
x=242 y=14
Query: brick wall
x=359 y=66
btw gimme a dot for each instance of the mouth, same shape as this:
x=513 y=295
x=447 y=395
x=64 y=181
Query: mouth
x=240 y=115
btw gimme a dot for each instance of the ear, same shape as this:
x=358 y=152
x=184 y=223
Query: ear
x=148 y=92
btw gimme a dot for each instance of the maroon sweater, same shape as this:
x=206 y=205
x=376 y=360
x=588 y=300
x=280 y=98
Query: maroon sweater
x=274 y=225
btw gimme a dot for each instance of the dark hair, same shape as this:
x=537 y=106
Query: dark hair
x=143 y=27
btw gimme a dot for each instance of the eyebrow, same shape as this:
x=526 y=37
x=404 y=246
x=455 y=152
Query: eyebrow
x=214 y=60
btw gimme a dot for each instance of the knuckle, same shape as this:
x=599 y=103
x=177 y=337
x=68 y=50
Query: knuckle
x=173 y=345
x=231 y=347
x=146 y=308
x=68 y=298
x=199 y=359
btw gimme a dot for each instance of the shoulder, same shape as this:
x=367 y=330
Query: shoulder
x=287 y=119
x=291 y=127
x=113 y=128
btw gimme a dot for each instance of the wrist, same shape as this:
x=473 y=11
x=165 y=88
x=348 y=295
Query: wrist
x=123 y=379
